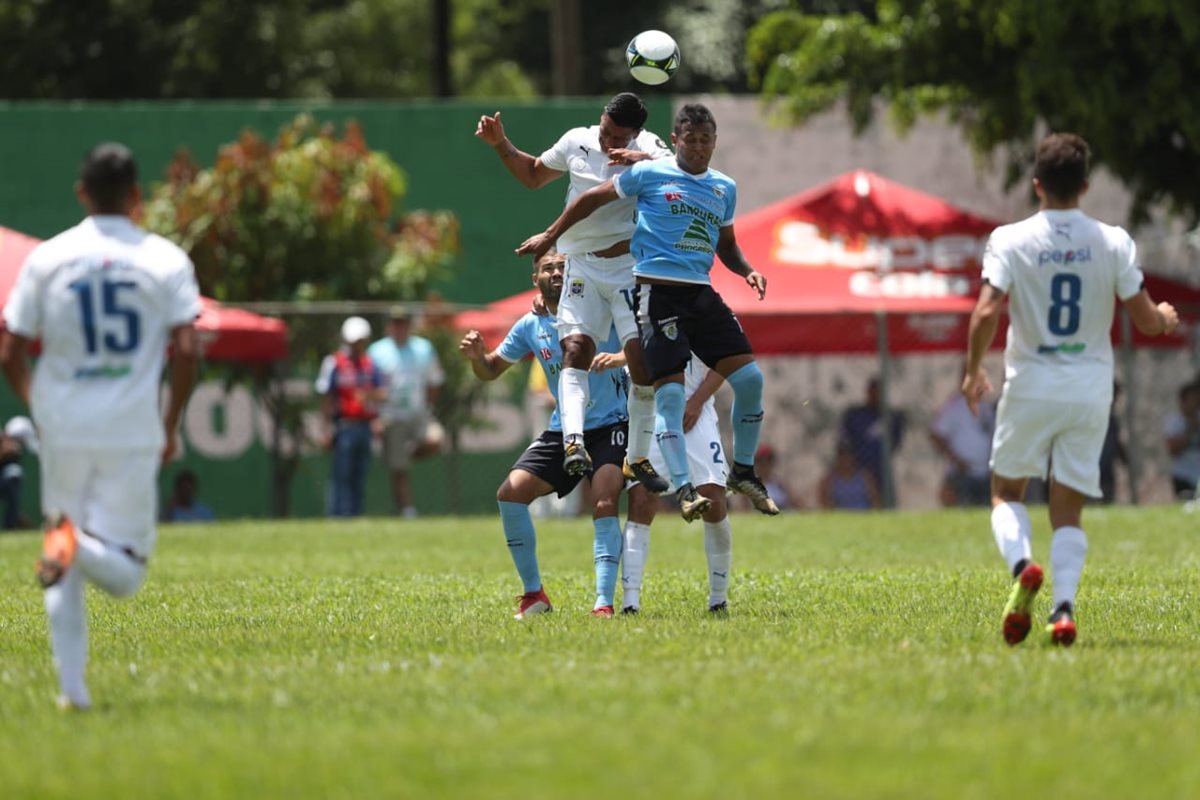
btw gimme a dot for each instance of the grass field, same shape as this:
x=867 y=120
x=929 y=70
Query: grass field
x=378 y=658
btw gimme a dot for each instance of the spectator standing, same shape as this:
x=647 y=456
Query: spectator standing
x=351 y=387
x=412 y=377
x=1182 y=430
x=1112 y=452
x=862 y=429
x=19 y=438
x=966 y=442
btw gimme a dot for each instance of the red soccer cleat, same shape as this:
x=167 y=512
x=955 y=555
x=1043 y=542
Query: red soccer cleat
x=58 y=551
x=532 y=603
x=1017 y=620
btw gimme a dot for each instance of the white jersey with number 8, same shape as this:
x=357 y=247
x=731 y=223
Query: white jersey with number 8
x=1061 y=270
x=103 y=297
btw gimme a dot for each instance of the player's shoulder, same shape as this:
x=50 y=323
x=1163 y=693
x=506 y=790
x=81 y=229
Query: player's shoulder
x=716 y=176
x=581 y=136
x=648 y=141
x=1115 y=235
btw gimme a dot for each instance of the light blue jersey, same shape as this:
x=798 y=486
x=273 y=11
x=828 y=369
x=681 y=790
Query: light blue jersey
x=679 y=218
x=607 y=390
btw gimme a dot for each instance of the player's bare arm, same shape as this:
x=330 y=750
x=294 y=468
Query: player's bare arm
x=527 y=169
x=985 y=319
x=624 y=156
x=1151 y=319
x=580 y=209
x=486 y=366
x=731 y=256
x=695 y=404
x=604 y=361
x=185 y=360
x=14 y=359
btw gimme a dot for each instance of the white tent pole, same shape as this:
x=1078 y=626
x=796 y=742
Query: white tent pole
x=1133 y=451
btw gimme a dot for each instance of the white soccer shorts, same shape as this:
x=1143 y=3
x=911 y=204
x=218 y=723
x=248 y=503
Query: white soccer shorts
x=706 y=453
x=1068 y=435
x=112 y=494
x=597 y=294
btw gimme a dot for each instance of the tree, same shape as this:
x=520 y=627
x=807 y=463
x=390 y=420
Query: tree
x=311 y=216
x=1120 y=74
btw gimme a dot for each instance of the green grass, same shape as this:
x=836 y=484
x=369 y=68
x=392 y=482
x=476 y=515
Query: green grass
x=863 y=658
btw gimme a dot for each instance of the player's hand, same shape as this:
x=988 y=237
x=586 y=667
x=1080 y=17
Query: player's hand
x=623 y=155
x=536 y=245
x=170 y=449
x=538 y=306
x=490 y=129
x=691 y=415
x=758 y=282
x=974 y=387
x=1170 y=317
x=472 y=346
x=604 y=361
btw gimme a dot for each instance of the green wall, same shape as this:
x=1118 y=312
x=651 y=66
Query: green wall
x=41 y=146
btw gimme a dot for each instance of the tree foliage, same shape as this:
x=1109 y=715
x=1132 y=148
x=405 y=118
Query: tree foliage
x=1120 y=74
x=309 y=217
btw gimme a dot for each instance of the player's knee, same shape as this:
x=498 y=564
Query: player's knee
x=604 y=507
x=717 y=509
x=748 y=379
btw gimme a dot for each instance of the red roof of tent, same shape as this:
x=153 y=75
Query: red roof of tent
x=841 y=252
x=226 y=334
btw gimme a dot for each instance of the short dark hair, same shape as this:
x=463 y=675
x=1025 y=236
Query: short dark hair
x=627 y=110
x=1062 y=165
x=549 y=254
x=109 y=173
x=694 y=114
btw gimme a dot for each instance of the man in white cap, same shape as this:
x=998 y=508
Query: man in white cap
x=19 y=438
x=351 y=387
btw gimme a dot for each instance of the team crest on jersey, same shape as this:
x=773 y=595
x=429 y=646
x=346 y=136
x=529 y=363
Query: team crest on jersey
x=719 y=191
x=671 y=330
x=576 y=289
x=673 y=197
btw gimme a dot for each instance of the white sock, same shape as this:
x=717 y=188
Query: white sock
x=108 y=567
x=641 y=421
x=1013 y=532
x=718 y=547
x=573 y=400
x=1067 y=551
x=633 y=563
x=69 y=635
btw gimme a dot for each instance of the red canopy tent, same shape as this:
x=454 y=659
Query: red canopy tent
x=226 y=334
x=844 y=254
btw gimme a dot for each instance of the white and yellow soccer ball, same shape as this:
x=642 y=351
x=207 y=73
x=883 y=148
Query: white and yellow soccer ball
x=653 y=57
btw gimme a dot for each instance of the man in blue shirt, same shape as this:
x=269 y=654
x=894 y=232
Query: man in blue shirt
x=540 y=469
x=685 y=217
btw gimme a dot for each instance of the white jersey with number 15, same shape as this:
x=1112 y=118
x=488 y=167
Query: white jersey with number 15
x=103 y=297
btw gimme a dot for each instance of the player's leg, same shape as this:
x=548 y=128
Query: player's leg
x=636 y=550
x=623 y=303
x=583 y=319
x=607 y=445
x=119 y=530
x=360 y=460
x=535 y=474
x=607 y=482
x=1075 y=474
x=718 y=546
x=1020 y=448
x=400 y=439
x=664 y=312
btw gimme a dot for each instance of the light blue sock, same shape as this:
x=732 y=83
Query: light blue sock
x=522 y=543
x=668 y=429
x=608 y=556
x=747 y=414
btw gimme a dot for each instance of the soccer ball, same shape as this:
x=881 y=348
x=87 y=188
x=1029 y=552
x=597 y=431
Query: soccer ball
x=653 y=57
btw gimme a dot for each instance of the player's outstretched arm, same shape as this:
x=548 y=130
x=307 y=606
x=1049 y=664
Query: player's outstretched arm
x=579 y=209
x=1151 y=319
x=185 y=359
x=486 y=366
x=527 y=169
x=735 y=261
